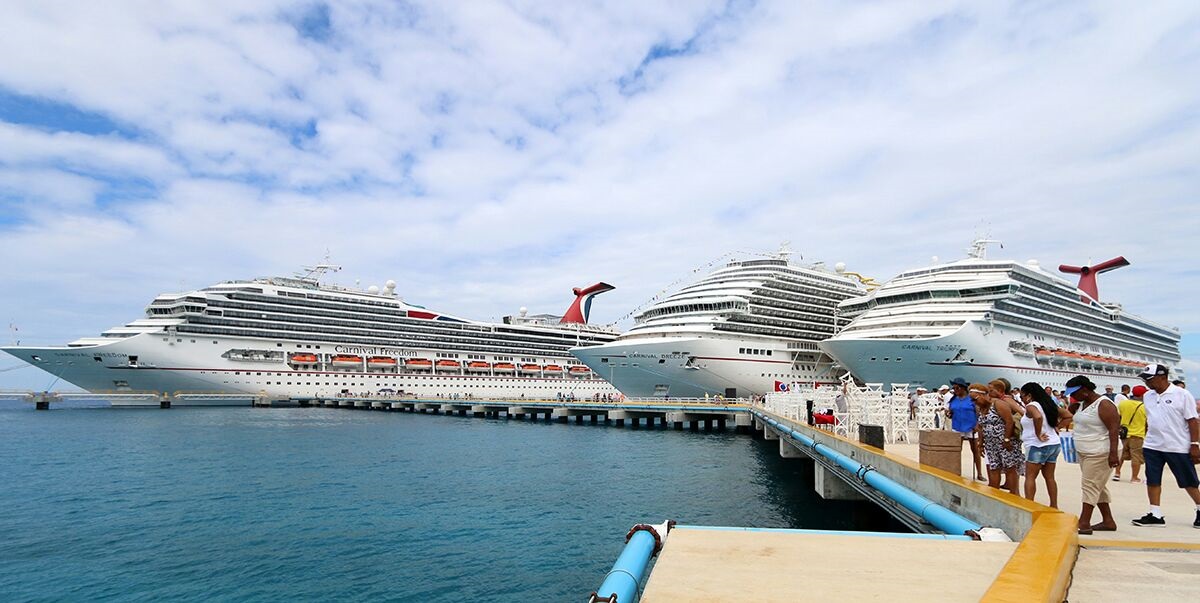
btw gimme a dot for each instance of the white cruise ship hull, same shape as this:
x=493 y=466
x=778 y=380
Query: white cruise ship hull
x=696 y=367
x=934 y=362
x=154 y=362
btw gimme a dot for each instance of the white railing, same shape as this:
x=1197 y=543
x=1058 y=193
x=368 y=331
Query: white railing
x=869 y=405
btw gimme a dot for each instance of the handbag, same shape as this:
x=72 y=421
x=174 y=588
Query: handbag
x=1123 y=430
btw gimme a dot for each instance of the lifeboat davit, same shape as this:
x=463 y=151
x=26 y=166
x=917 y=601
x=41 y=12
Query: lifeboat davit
x=303 y=359
x=552 y=369
x=418 y=364
x=504 y=367
x=381 y=362
x=347 y=361
x=448 y=365
x=530 y=369
x=478 y=367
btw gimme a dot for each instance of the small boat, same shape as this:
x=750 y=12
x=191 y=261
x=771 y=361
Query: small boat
x=531 y=369
x=504 y=367
x=347 y=361
x=580 y=371
x=448 y=365
x=418 y=364
x=381 y=362
x=478 y=367
x=552 y=369
x=303 y=359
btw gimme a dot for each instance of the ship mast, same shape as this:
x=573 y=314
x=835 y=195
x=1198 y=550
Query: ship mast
x=978 y=248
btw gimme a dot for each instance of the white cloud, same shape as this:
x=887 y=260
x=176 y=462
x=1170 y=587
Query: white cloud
x=492 y=155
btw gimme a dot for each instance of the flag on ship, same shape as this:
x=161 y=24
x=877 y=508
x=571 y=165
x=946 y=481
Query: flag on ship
x=781 y=386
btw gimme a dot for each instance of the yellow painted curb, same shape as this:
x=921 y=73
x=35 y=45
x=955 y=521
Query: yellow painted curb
x=1052 y=543
x=1004 y=496
x=1090 y=543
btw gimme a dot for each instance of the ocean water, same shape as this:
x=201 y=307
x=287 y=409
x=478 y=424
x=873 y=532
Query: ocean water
x=243 y=504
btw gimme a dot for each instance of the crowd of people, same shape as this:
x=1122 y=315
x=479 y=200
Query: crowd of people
x=1015 y=433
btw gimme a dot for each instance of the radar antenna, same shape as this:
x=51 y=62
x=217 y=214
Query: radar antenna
x=314 y=274
x=978 y=248
x=785 y=250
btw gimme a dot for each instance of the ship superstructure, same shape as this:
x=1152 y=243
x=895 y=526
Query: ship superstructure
x=980 y=319
x=296 y=337
x=739 y=331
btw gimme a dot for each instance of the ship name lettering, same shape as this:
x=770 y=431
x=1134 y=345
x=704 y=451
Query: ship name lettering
x=371 y=350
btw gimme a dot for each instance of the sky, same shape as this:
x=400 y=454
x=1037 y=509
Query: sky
x=493 y=155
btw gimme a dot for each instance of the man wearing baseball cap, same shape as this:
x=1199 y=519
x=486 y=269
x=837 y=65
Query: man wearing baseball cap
x=1172 y=440
x=1133 y=419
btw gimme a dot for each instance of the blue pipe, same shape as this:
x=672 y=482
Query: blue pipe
x=832 y=532
x=940 y=517
x=624 y=580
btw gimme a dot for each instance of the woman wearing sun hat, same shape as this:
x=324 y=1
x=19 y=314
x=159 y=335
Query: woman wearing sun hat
x=964 y=420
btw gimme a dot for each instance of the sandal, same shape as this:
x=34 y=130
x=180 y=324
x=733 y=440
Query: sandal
x=1085 y=531
x=1096 y=527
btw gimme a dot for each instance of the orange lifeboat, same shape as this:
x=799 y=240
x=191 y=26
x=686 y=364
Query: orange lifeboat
x=530 y=369
x=580 y=371
x=504 y=367
x=478 y=367
x=448 y=365
x=381 y=362
x=347 y=361
x=303 y=359
x=418 y=364
x=552 y=369
x=1043 y=355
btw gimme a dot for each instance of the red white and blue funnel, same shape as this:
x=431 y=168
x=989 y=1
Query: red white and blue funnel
x=582 y=308
x=1088 y=274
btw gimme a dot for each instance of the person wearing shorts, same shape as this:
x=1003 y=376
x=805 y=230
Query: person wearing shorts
x=1172 y=440
x=1133 y=419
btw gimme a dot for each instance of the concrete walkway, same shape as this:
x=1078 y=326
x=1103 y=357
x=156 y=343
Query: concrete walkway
x=712 y=565
x=1128 y=501
x=1132 y=563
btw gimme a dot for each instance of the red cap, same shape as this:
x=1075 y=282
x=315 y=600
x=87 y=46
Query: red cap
x=1139 y=391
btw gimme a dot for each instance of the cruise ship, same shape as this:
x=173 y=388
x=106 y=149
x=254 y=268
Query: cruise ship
x=981 y=319
x=294 y=337
x=748 y=328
